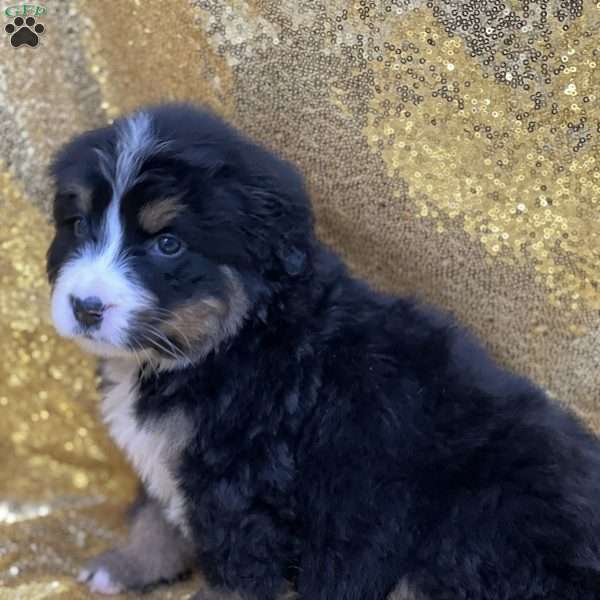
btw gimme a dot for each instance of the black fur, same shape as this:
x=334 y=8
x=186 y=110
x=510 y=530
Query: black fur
x=348 y=440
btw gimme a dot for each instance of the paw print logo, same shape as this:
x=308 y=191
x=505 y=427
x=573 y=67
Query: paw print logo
x=24 y=32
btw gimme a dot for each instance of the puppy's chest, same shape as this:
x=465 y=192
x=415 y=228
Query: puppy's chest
x=153 y=446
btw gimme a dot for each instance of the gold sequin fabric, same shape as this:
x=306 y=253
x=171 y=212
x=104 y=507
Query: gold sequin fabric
x=452 y=151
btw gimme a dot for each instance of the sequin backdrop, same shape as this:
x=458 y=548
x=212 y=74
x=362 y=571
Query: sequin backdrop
x=451 y=149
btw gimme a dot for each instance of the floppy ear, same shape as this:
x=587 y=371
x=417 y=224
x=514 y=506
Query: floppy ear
x=292 y=259
x=281 y=227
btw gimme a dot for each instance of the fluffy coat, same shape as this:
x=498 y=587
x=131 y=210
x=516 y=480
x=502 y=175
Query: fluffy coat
x=339 y=438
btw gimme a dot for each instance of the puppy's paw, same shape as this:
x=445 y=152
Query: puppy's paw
x=100 y=581
x=110 y=573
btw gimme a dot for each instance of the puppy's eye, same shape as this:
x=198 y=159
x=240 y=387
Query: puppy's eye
x=168 y=245
x=80 y=226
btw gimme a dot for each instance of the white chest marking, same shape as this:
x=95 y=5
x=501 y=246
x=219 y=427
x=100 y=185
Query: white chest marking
x=153 y=449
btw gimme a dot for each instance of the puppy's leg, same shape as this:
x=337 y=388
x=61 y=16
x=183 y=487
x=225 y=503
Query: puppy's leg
x=155 y=551
x=141 y=499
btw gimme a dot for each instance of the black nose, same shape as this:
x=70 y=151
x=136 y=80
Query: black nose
x=88 y=311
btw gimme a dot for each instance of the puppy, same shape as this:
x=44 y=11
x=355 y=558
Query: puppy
x=294 y=429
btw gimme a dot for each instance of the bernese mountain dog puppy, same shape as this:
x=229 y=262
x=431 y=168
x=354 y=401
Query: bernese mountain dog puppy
x=296 y=432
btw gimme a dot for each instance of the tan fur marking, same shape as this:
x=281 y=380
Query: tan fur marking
x=200 y=325
x=155 y=551
x=157 y=544
x=157 y=214
x=196 y=319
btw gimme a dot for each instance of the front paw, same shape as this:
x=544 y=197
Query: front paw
x=110 y=573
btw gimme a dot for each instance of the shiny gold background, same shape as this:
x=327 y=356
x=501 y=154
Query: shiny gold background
x=452 y=149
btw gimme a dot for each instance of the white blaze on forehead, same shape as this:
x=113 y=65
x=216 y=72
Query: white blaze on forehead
x=135 y=142
x=100 y=269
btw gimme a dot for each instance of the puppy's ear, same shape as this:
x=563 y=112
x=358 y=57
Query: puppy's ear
x=280 y=226
x=79 y=157
x=293 y=259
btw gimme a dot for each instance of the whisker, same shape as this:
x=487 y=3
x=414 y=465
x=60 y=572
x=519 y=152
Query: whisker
x=164 y=337
x=159 y=340
x=177 y=329
x=168 y=313
x=156 y=341
x=139 y=359
x=149 y=360
x=159 y=316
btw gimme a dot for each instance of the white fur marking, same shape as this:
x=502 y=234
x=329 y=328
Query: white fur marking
x=152 y=449
x=100 y=269
x=136 y=142
x=102 y=583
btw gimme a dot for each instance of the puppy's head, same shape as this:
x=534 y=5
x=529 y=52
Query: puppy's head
x=170 y=226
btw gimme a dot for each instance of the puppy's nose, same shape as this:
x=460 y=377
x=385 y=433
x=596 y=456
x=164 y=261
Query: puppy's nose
x=88 y=311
